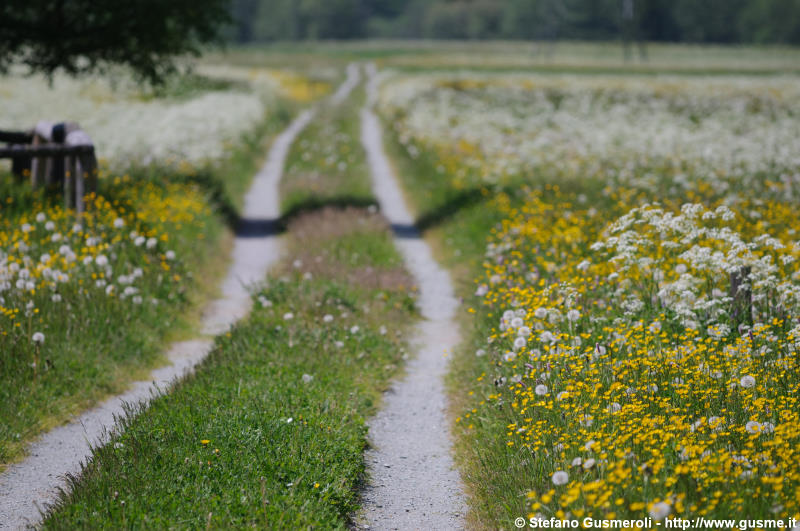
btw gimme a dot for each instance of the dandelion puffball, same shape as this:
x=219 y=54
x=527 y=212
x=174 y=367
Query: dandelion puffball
x=560 y=478
x=747 y=381
x=38 y=338
x=660 y=510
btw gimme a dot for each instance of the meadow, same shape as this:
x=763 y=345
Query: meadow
x=623 y=236
x=616 y=369
x=87 y=301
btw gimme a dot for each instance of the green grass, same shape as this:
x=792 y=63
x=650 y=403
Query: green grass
x=95 y=345
x=326 y=163
x=282 y=453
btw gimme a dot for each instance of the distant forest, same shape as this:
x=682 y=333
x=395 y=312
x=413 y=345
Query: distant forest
x=697 y=21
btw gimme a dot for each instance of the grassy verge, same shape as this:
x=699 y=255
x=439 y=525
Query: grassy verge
x=105 y=290
x=269 y=432
x=326 y=165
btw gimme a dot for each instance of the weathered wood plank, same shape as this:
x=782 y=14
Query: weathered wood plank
x=44 y=151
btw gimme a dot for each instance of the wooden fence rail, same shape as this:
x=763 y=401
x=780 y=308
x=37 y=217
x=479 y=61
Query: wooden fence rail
x=74 y=166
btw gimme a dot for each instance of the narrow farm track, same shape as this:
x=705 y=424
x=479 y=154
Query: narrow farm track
x=28 y=487
x=413 y=481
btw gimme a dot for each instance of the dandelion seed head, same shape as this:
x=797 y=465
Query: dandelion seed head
x=560 y=478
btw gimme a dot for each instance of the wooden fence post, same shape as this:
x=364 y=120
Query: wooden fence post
x=742 y=295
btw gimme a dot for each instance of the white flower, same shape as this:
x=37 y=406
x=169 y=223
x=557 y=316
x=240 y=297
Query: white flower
x=169 y=255
x=40 y=217
x=137 y=299
x=560 y=478
x=747 y=381
x=517 y=322
x=599 y=350
x=753 y=427
x=482 y=290
x=56 y=297
x=573 y=315
x=540 y=313
x=589 y=463
x=307 y=378
x=288 y=316
x=509 y=356
x=119 y=223
x=577 y=461
x=264 y=302
x=328 y=318
x=541 y=390
x=109 y=289
x=339 y=344
x=38 y=338
x=354 y=329
x=139 y=241
x=49 y=225
x=547 y=337
x=660 y=510
x=151 y=242
x=101 y=260
x=480 y=352
x=519 y=343
x=26 y=228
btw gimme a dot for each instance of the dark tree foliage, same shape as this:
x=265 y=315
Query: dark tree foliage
x=81 y=36
x=722 y=21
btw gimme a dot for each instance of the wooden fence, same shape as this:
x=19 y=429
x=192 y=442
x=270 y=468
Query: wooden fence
x=52 y=163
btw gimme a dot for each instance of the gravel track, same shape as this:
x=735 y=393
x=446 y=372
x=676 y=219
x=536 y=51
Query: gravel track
x=413 y=481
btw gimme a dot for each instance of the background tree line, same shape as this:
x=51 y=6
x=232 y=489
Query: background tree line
x=701 y=21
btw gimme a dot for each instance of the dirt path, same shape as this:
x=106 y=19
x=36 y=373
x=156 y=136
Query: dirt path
x=28 y=487
x=413 y=481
